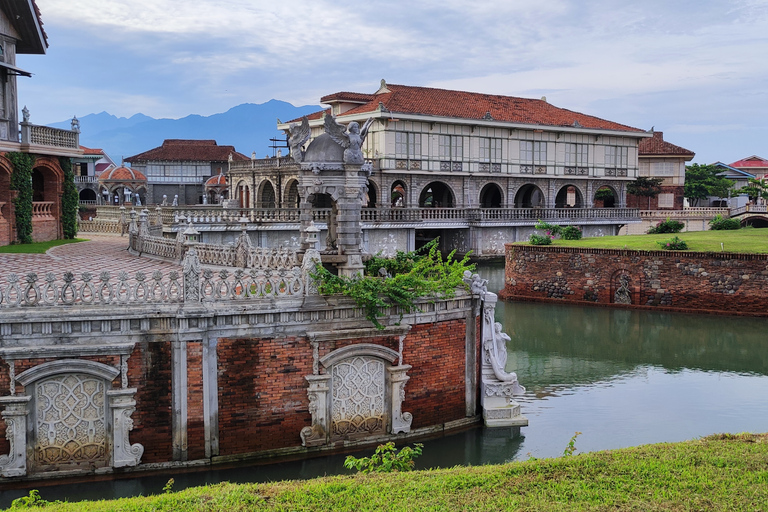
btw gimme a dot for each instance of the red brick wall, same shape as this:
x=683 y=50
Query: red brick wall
x=149 y=370
x=195 y=416
x=44 y=229
x=642 y=202
x=675 y=279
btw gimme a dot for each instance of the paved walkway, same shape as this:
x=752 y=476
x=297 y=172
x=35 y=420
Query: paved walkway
x=100 y=253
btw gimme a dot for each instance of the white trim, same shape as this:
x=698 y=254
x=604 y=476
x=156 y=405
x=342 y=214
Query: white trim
x=67 y=366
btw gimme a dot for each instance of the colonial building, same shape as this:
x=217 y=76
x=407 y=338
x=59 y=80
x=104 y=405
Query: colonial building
x=661 y=159
x=87 y=169
x=21 y=32
x=754 y=164
x=179 y=168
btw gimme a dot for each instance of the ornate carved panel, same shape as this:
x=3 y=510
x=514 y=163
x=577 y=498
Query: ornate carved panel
x=358 y=405
x=70 y=420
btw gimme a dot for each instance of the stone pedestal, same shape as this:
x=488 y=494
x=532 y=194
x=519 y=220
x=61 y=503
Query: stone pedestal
x=122 y=405
x=317 y=434
x=15 y=416
x=401 y=421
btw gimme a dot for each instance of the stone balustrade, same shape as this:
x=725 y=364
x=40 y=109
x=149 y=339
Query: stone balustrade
x=42 y=209
x=98 y=225
x=750 y=208
x=686 y=213
x=47 y=136
x=86 y=179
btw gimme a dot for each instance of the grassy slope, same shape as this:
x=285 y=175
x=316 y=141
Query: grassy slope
x=717 y=473
x=747 y=240
x=36 y=248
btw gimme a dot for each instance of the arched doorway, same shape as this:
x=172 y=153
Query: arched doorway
x=605 y=197
x=397 y=194
x=38 y=186
x=267 y=196
x=529 y=196
x=569 y=196
x=369 y=201
x=490 y=196
x=292 y=198
x=87 y=196
x=436 y=195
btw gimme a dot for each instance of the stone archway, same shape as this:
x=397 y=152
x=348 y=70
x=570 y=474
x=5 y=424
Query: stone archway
x=569 y=196
x=530 y=196
x=369 y=200
x=436 y=195
x=267 y=197
x=491 y=196
x=397 y=194
x=605 y=197
x=292 y=197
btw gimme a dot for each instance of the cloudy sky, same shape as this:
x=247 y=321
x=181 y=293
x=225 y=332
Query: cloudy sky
x=695 y=69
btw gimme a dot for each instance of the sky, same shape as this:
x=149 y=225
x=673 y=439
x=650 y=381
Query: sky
x=695 y=69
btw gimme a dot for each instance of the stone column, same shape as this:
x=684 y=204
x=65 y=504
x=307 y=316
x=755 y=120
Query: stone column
x=15 y=416
x=179 y=399
x=401 y=421
x=210 y=396
x=317 y=434
x=122 y=405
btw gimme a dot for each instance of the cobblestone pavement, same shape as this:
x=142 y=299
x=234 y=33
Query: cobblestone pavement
x=100 y=253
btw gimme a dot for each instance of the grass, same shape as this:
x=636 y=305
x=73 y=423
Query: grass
x=38 y=247
x=745 y=240
x=722 y=472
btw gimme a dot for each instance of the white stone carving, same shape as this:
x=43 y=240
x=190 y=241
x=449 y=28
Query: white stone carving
x=15 y=416
x=122 y=405
x=357 y=397
x=317 y=393
x=401 y=421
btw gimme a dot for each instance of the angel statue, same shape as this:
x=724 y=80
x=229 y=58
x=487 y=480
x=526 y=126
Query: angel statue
x=298 y=135
x=351 y=141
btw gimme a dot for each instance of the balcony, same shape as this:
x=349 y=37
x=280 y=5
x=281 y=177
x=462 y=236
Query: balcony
x=50 y=141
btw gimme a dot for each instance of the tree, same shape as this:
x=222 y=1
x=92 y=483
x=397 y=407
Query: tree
x=70 y=200
x=756 y=188
x=702 y=181
x=645 y=187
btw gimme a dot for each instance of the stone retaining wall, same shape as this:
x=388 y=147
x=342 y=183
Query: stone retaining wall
x=726 y=282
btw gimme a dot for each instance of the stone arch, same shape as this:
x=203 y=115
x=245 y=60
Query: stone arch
x=569 y=196
x=491 y=196
x=757 y=221
x=292 y=199
x=371 y=196
x=438 y=195
x=606 y=202
x=398 y=196
x=243 y=194
x=622 y=291
x=267 y=198
x=87 y=194
x=530 y=196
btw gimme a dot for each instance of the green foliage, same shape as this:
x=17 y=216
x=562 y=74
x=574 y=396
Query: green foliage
x=666 y=226
x=168 y=487
x=550 y=229
x=571 y=445
x=418 y=274
x=70 y=200
x=21 y=180
x=36 y=247
x=645 y=187
x=540 y=239
x=386 y=459
x=673 y=244
x=32 y=500
x=570 y=233
x=604 y=194
x=720 y=223
x=702 y=181
x=755 y=189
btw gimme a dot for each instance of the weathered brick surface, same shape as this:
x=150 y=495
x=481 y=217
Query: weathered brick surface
x=44 y=229
x=653 y=204
x=149 y=370
x=674 y=279
x=195 y=417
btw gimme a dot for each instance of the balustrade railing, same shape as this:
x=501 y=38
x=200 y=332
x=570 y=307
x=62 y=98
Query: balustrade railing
x=750 y=208
x=47 y=136
x=42 y=209
x=86 y=179
x=685 y=213
x=99 y=226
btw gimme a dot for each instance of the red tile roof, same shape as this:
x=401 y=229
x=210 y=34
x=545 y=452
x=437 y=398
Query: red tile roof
x=404 y=99
x=184 y=150
x=91 y=151
x=122 y=174
x=657 y=146
x=354 y=97
x=751 y=161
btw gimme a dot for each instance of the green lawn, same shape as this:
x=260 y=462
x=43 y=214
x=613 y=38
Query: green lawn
x=745 y=240
x=37 y=248
x=723 y=472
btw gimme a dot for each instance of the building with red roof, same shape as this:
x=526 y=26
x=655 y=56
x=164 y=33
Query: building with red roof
x=753 y=165
x=180 y=167
x=661 y=159
x=438 y=147
x=21 y=32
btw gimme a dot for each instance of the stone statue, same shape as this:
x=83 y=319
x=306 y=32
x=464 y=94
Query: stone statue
x=175 y=200
x=351 y=140
x=298 y=136
x=25 y=114
x=623 y=295
x=75 y=124
x=205 y=198
x=138 y=200
x=165 y=200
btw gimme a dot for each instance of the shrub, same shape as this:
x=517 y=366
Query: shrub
x=673 y=244
x=540 y=239
x=550 y=229
x=570 y=233
x=667 y=226
x=386 y=459
x=721 y=223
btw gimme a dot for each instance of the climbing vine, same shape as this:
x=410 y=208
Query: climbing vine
x=21 y=180
x=70 y=200
x=398 y=281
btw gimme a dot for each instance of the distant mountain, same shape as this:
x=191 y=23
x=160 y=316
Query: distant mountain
x=248 y=127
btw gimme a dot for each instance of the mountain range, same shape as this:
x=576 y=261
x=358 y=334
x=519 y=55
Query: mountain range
x=248 y=127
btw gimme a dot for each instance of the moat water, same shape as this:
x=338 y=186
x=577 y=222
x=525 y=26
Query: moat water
x=620 y=377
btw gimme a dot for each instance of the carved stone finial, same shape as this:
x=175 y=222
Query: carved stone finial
x=25 y=114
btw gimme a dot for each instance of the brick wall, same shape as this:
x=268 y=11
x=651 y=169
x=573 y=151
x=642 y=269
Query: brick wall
x=195 y=413
x=149 y=370
x=44 y=229
x=675 y=279
x=642 y=202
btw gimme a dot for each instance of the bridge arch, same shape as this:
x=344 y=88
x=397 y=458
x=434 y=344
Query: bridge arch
x=756 y=221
